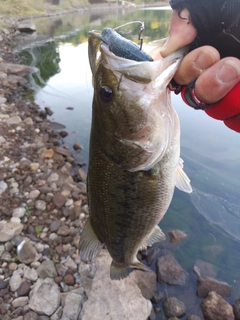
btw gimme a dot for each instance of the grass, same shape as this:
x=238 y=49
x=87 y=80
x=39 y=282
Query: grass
x=38 y=231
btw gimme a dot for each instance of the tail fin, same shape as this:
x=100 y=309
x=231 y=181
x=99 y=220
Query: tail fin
x=89 y=245
x=118 y=271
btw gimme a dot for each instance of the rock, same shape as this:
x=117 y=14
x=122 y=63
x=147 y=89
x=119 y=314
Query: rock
x=14 y=120
x=192 y=317
x=3 y=186
x=176 y=236
x=47 y=270
x=146 y=282
x=69 y=279
x=72 y=306
x=9 y=230
x=205 y=269
x=63 y=231
x=30 y=273
x=19 y=212
x=57 y=314
x=48 y=154
x=55 y=225
x=40 y=205
x=77 y=146
x=40 y=300
x=169 y=271
x=59 y=199
x=206 y=284
x=26 y=252
x=28 y=121
x=26 y=26
x=173 y=307
x=61 y=269
x=82 y=176
x=34 y=194
x=52 y=178
x=20 y=302
x=157 y=297
x=117 y=301
x=236 y=309
x=30 y=315
x=69 y=263
x=63 y=151
x=15 y=282
x=24 y=289
x=152 y=255
x=3 y=284
x=214 y=307
x=63 y=133
x=34 y=166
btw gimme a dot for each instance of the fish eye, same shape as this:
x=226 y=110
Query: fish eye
x=106 y=94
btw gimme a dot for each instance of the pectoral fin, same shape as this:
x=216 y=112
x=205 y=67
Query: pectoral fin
x=89 y=246
x=155 y=236
x=182 y=180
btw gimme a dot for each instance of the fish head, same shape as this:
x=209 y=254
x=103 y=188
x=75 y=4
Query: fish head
x=133 y=120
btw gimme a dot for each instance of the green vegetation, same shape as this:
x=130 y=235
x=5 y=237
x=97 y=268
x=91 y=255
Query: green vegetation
x=28 y=211
x=38 y=230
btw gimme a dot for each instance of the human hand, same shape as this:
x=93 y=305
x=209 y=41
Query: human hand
x=209 y=82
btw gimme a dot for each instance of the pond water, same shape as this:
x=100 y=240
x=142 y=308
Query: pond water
x=210 y=216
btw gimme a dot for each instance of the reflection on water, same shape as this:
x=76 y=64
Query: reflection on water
x=211 y=215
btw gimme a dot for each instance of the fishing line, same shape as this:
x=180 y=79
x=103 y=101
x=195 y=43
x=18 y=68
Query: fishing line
x=141 y=29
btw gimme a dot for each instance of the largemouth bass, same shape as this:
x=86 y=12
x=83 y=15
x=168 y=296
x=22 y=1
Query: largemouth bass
x=134 y=161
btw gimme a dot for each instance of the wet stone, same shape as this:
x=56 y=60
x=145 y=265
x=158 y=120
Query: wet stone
x=173 y=307
x=176 y=236
x=236 y=309
x=146 y=282
x=206 y=284
x=214 y=307
x=169 y=271
x=152 y=255
x=204 y=269
x=157 y=297
x=192 y=317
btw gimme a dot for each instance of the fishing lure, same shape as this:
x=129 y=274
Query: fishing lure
x=123 y=47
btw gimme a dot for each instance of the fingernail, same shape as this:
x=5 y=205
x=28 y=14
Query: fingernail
x=229 y=72
x=204 y=60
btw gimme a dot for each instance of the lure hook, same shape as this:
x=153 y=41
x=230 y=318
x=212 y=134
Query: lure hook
x=141 y=29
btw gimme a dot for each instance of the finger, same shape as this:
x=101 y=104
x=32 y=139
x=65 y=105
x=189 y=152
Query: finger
x=194 y=63
x=181 y=33
x=214 y=83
